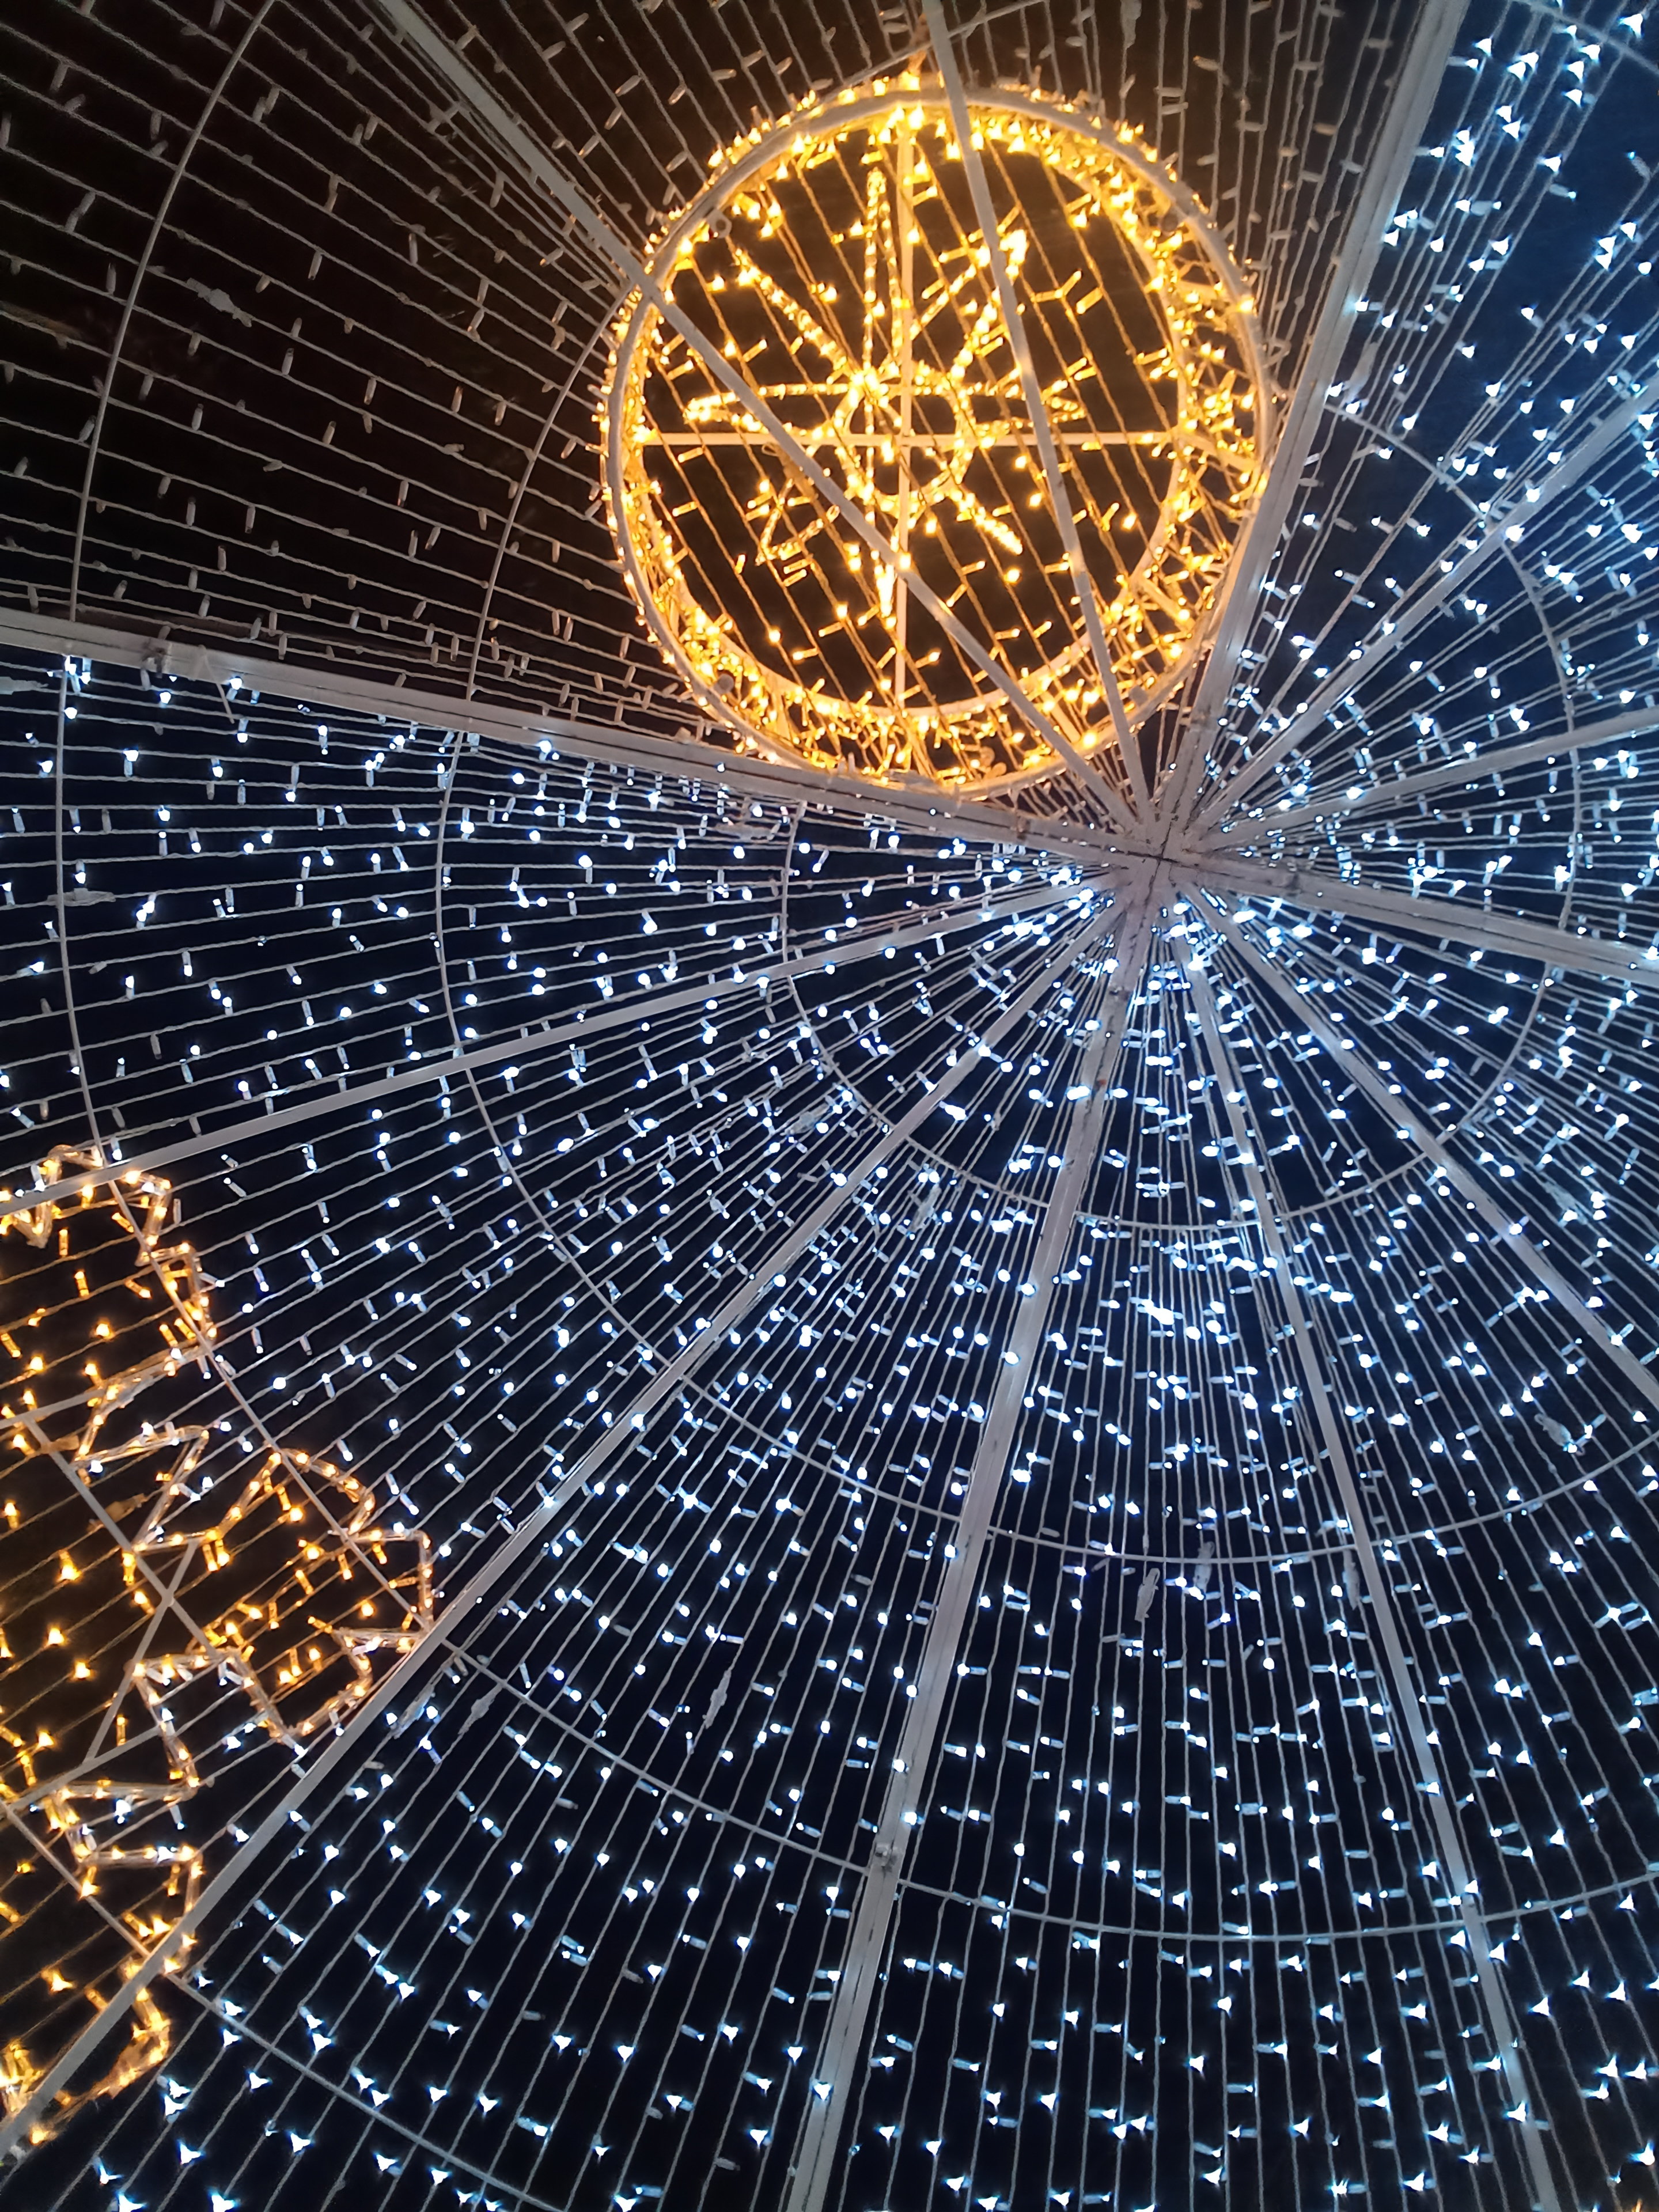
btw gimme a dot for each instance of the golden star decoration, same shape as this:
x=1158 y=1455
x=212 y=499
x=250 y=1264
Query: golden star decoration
x=835 y=263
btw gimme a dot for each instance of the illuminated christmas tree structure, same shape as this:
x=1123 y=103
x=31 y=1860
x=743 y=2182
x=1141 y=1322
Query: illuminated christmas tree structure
x=830 y=849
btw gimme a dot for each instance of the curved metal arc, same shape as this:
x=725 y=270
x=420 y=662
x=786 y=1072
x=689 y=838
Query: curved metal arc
x=105 y=393
x=141 y=269
x=509 y=521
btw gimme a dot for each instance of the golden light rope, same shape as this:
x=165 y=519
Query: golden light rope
x=152 y=1614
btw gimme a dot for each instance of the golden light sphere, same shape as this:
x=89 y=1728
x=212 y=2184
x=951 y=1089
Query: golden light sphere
x=835 y=265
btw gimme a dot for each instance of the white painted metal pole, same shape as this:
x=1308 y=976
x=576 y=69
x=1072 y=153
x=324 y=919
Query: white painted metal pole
x=833 y=2074
x=1422 y=66
x=1036 y=408
x=647 y=1007
x=1470 y=924
x=1406 y=1698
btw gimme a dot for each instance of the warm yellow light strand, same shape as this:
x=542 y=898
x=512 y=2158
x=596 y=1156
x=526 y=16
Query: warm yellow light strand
x=276 y=1648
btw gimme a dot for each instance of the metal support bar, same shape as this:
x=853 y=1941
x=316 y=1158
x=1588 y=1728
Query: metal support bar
x=835 y=441
x=783 y=783
x=516 y=140
x=1515 y=938
x=1407 y=1702
x=651 y=1007
x=831 y=2094
x=1496 y=1219
x=902 y=328
x=1519 y=518
x=165 y=1598
x=1237 y=835
x=1036 y=408
x=1422 y=66
x=758 y=1284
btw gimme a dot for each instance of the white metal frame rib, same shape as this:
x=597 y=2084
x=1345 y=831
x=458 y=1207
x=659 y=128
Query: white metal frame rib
x=624 y=1014
x=1406 y=1700
x=612 y=744
x=1449 y=578
x=1422 y=68
x=349 y=1742
x=1498 y=1219
x=1053 y=477
x=1244 y=831
x=833 y=2074
x=1513 y=935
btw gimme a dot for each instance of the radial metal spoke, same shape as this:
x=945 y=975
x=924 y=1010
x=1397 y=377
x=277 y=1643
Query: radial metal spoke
x=905 y=1803
x=782 y=782
x=647 y=1007
x=1036 y=410
x=1485 y=926
x=1498 y=1219
x=460 y=1611
x=1238 y=832
x=1519 y=518
x=1268 y=1212
x=1422 y=66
